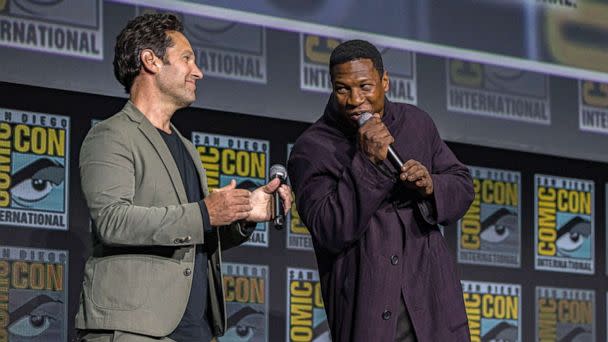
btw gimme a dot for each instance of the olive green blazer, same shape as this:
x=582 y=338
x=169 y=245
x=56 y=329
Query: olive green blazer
x=138 y=205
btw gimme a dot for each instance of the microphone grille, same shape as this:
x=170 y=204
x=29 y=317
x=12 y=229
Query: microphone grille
x=278 y=170
x=363 y=118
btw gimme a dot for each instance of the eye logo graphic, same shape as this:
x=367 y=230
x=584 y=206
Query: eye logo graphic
x=228 y=157
x=498 y=92
x=503 y=331
x=34 y=153
x=490 y=231
x=217 y=55
x=498 y=226
x=315 y=52
x=246 y=296
x=564 y=224
x=35 y=182
x=238 y=327
x=65 y=27
x=572 y=236
x=32 y=288
x=33 y=318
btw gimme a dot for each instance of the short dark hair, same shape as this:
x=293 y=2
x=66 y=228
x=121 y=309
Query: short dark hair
x=148 y=31
x=355 y=49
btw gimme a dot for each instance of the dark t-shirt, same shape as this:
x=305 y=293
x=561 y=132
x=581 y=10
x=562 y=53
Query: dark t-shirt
x=194 y=326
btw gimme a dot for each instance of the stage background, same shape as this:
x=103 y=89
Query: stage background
x=495 y=90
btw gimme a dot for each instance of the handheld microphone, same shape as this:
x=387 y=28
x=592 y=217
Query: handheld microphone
x=278 y=171
x=392 y=155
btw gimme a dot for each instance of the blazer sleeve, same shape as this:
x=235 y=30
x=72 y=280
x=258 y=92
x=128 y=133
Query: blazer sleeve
x=108 y=182
x=452 y=183
x=336 y=206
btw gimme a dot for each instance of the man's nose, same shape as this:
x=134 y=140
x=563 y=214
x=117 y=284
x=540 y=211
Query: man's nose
x=197 y=72
x=356 y=98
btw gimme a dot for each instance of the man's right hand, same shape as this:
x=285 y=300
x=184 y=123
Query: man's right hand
x=374 y=139
x=227 y=204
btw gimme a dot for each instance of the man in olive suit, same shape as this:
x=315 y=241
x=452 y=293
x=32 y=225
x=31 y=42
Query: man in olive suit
x=155 y=273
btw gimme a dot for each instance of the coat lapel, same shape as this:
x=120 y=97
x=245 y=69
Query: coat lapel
x=161 y=148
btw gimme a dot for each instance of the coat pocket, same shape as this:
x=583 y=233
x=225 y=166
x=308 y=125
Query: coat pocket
x=122 y=282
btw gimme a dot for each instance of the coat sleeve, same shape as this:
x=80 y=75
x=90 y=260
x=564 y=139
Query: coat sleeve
x=107 y=172
x=336 y=206
x=236 y=234
x=452 y=183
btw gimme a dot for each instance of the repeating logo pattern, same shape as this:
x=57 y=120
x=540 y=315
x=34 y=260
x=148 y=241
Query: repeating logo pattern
x=306 y=317
x=33 y=294
x=565 y=314
x=34 y=161
x=245 y=160
x=499 y=92
x=493 y=310
x=246 y=294
x=65 y=27
x=564 y=224
x=490 y=231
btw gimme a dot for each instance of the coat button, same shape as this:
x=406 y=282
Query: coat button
x=187 y=272
x=394 y=260
x=386 y=315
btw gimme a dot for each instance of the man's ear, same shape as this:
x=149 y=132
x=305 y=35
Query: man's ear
x=149 y=61
x=385 y=81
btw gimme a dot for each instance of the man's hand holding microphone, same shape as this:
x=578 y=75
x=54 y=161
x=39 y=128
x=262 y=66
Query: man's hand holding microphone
x=375 y=142
x=229 y=204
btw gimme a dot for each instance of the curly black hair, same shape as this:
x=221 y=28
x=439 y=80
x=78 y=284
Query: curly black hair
x=355 y=49
x=147 y=31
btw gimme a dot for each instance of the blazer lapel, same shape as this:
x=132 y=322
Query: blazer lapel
x=161 y=148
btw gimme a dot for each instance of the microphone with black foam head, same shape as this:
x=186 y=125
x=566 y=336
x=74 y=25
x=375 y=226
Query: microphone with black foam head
x=278 y=171
x=392 y=155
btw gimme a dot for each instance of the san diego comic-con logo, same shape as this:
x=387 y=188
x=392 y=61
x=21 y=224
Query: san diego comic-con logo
x=34 y=157
x=490 y=231
x=306 y=317
x=593 y=106
x=493 y=311
x=33 y=294
x=246 y=294
x=314 y=74
x=245 y=160
x=213 y=42
x=564 y=224
x=498 y=92
x=65 y=27
x=564 y=314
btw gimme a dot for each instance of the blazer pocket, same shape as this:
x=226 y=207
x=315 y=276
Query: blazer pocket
x=121 y=282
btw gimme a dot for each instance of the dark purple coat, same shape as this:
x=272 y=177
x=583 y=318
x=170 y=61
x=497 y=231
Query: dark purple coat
x=375 y=240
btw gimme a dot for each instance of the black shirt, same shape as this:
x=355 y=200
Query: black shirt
x=194 y=325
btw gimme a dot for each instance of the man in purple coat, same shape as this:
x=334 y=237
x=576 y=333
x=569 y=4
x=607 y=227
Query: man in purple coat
x=386 y=272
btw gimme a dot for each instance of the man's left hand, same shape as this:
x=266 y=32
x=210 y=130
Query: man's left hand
x=262 y=200
x=417 y=177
